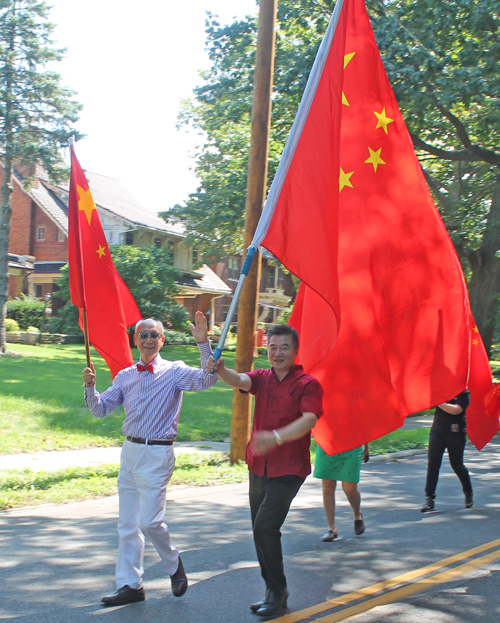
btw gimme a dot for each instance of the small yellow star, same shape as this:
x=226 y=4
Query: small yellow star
x=344 y=179
x=475 y=342
x=476 y=330
x=86 y=202
x=383 y=120
x=101 y=251
x=344 y=99
x=374 y=158
x=348 y=58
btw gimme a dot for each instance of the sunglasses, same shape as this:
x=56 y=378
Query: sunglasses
x=153 y=334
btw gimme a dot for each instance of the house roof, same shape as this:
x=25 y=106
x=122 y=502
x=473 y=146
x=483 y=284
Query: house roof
x=50 y=202
x=207 y=282
x=48 y=267
x=112 y=195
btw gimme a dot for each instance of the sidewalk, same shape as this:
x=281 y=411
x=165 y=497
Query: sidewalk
x=51 y=461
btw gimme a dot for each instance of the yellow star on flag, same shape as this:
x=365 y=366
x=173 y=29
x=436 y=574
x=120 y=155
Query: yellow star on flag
x=374 y=158
x=86 y=202
x=476 y=330
x=475 y=342
x=101 y=251
x=344 y=179
x=347 y=60
x=383 y=120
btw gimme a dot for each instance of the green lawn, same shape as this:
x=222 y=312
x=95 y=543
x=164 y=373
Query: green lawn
x=42 y=405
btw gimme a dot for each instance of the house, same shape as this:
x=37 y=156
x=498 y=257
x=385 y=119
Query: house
x=276 y=290
x=39 y=230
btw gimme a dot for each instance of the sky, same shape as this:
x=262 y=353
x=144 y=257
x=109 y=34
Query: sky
x=132 y=64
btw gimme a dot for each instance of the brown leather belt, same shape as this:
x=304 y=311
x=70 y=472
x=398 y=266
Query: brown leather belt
x=151 y=442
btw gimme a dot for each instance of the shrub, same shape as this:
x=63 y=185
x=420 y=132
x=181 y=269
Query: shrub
x=179 y=338
x=33 y=330
x=11 y=325
x=27 y=312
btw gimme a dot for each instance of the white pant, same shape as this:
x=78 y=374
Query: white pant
x=142 y=488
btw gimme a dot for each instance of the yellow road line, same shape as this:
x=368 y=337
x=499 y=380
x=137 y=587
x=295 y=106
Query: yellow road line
x=380 y=586
x=403 y=592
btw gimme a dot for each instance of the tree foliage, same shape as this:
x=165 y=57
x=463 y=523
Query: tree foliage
x=150 y=277
x=442 y=58
x=36 y=111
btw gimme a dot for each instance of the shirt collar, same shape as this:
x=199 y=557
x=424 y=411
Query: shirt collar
x=155 y=361
x=293 y=370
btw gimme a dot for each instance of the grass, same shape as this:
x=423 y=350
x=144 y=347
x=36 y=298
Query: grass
x=25 y=487
x=42 y=405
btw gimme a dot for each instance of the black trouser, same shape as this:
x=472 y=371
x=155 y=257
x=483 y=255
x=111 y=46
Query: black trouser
x=270 y=500
x=455 y=442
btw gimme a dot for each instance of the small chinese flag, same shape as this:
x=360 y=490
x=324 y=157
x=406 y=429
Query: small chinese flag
x=382 y=310
x=95 y=285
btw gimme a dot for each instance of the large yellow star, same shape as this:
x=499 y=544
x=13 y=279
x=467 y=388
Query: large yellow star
x=475 y=342
x=101 y=251
x=383 y=120
x=86 y=202
x=344 y=179
x=476 y=330
x=374 y=158
x=347 y=60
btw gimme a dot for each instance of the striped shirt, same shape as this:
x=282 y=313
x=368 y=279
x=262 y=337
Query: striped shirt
x=152 y=400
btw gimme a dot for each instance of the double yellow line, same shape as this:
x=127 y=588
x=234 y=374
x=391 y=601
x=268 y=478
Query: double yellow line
x=399 y=593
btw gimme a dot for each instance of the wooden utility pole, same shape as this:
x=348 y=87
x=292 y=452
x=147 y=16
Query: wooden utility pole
x=256 y=191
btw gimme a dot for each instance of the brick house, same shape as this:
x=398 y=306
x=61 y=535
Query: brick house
x=39 y=237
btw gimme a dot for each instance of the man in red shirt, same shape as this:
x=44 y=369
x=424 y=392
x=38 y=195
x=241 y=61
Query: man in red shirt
x=288 y=403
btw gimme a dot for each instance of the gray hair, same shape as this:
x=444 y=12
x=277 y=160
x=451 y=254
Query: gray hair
x=152 y=320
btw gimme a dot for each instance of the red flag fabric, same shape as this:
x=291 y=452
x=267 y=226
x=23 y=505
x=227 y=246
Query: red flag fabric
x=94 y=283
x=382 y=310
x=482 y=413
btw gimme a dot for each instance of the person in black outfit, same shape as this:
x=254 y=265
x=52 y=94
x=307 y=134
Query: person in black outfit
x=448 y=431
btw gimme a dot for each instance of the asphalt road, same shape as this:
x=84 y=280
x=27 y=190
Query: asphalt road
x=57 y=561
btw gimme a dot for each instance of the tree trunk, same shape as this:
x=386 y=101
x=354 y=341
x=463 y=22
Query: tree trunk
x=484 y=284
x=5 y=212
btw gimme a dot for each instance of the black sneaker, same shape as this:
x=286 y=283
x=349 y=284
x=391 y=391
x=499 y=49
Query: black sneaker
x=428 y=504
x=469 y=500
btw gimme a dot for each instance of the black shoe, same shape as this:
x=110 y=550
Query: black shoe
x=274 y=603
x=124 y=595
x=428 y=504
x=469 y=500
x=258 y=604
x=179 y=580
x=359 y=526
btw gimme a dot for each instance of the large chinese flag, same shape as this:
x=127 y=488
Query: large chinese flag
x=94 y=283
x=383 y=311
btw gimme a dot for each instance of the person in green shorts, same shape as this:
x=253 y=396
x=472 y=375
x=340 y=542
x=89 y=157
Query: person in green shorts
x=345 y=467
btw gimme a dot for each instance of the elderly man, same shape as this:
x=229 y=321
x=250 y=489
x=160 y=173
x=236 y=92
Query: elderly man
x=288 y=403
x=151 y=393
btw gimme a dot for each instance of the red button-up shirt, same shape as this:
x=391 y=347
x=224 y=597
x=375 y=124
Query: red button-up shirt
x=278 y=403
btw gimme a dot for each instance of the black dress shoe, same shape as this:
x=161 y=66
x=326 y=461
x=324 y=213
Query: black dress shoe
x=254 y=607
x=469 y=500
x=428 y=504
x=179 y=580
x=124 y=595
x=359 y=526
x=274 y=603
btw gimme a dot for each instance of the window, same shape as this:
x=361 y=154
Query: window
x=270 y=277
x=281 y=279
x=194 y=255
x=129 y=237
x=61 y=237
x=234 y=267
x=40 y=233
x=170 y=253
x=109 y=235
x=38 y=290
x=158 y=243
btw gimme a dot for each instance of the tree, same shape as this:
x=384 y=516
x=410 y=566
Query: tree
x=150 y=277
x=442 y=58
x=36 y=112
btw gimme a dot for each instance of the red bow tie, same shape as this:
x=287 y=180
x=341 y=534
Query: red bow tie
x=149 y=367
